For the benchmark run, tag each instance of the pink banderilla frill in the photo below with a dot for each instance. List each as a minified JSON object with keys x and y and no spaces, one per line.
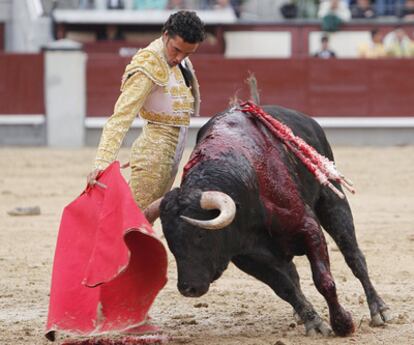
{"x":321,"y":167}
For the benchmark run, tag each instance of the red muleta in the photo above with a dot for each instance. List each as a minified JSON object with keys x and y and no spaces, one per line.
{"x":109,"y":264}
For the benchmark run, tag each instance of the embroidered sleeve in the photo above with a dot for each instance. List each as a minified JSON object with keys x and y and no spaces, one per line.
{"x":150,"y":64}
{"x":134,"y":93}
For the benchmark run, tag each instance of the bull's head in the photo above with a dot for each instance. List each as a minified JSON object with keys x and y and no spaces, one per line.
{"x":191,"y":224}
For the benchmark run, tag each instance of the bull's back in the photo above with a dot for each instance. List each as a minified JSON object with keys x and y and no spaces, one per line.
{"x":282,"y":180}
{"x":234,"y":124}
{"x":303,"y":126}
{"x":231,"y":131}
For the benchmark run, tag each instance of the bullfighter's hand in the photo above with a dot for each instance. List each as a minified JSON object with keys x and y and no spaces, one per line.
{"x":92,"y":176}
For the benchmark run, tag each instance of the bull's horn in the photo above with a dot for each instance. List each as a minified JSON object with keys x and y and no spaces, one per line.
{"x":215,"y":201}
{"x":152,"y":212}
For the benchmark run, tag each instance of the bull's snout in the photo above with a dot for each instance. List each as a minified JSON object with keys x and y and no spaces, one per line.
{"x":192,"y":290}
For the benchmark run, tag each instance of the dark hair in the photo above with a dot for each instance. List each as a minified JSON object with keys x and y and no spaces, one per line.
{"x":325,"y":38}
{"x":185,"y":24}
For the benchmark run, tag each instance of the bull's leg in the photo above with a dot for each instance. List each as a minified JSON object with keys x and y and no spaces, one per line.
{"x":317,"y":253}
{"x":285,"y":283}
{"x":336,"y":217}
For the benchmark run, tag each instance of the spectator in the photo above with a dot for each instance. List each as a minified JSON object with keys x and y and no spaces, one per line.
{"x":233,"y":5}
{"x":374,"y":49}
{"x":407,"y":11}
{"x":222,"y":4}
{"x":237,"y":7}
{"x":176,"y":5}
{"x":307,"y":8}
{"x":112,"y":33}
{"x":115,"y":4}
{"x":398,"y":44}
{"x":363,"y":9}
{"x":333,"y":14}
{"x":289,"y":10}
{"x":388,"y":7}
{"x":214,"y":4}
{"x":325,"y":52}
{"x":150,"y":4}
{"x":86,"y":4}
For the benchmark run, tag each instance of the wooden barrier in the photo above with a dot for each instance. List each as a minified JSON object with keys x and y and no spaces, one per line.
{"x":370,"y":98}
{"x":21,"y":84}
{"x":346,"y":87}
{"x":103,"y":80}
{"x":339,"y":88}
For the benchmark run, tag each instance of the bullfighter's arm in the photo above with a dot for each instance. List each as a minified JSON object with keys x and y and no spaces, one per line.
{"x":134,"y":93}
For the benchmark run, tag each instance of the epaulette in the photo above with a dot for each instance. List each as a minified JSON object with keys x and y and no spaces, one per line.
{"x":149,"y":63}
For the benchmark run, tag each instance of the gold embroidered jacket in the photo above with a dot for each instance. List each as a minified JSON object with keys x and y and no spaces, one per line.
{"x":155,"y":91}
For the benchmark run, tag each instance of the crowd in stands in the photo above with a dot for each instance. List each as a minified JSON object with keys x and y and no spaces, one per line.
{"x":148,"y":4}
{"x":367,"y":9}
{"x":332,"y":14}
{"x":342,"y":10}
{"x":363,"y":9}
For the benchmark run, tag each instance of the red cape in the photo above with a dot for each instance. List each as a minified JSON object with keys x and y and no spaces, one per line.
{"x":109,"y":265}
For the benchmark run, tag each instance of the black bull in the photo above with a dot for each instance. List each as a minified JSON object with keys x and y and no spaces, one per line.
{"x":280,"y":208}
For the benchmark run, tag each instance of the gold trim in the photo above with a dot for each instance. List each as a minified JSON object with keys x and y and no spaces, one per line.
{"x":149,"y":63}
{"x":168,"y":119}
{"x":183,"y":106}
{"x":179,"y":90}
{"x":178,"y":75}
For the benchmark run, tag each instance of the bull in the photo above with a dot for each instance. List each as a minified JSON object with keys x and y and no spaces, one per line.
{"x":245,"y":198}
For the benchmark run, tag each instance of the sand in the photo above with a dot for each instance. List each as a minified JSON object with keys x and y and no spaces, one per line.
{"x":238,"y":309}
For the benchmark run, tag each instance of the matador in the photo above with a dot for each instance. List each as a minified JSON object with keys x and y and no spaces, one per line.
{"x":160,"y":85}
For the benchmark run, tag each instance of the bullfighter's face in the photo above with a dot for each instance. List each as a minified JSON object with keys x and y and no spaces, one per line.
{"x":176,"y":49}
{"x":198,"y":252}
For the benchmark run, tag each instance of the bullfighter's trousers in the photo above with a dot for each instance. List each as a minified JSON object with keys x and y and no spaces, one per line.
{"x":154,"y":160}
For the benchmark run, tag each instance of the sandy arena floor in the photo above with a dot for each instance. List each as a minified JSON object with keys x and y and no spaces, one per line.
{"x":237,"y":309}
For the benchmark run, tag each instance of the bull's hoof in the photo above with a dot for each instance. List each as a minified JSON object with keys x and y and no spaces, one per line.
{"x":318,"y":327}
{"x":381,"y":318}
{"x":341,"y":323}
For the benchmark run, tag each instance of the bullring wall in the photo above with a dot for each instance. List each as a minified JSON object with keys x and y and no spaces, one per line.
{"x":351,"y":95}
{"x":321,"y":88}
